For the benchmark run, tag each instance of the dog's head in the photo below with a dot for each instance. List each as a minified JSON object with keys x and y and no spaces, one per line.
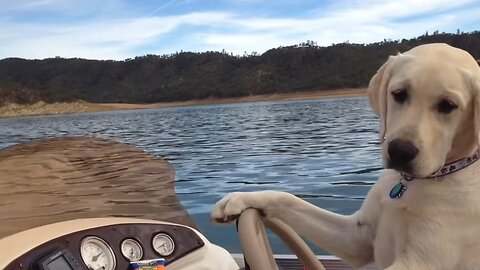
{"x":428,"y":100}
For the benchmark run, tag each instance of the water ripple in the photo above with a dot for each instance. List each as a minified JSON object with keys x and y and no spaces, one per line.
{"x":324,"y":151}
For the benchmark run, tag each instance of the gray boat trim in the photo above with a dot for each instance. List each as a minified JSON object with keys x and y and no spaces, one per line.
{"x":290,"y":261}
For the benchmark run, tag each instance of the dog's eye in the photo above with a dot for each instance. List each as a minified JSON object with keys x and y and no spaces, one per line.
{"x":446,"y":106}
{"x":400,"y":95}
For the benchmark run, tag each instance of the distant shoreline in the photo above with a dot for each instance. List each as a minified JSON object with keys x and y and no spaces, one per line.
{"x":41,"y":108}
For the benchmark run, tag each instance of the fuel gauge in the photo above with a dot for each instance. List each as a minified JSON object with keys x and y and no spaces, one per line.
{"x":163,"y":244}
{"x":132,"y":250}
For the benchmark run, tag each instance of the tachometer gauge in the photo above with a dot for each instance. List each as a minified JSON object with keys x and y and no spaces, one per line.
{"x":132,"y":250}
{"x":163,"y":244}
{"x":97,"y":254}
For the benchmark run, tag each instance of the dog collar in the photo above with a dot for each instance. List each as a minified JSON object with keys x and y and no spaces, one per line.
{"x":398,"y":190}
{"x":456,"y":165}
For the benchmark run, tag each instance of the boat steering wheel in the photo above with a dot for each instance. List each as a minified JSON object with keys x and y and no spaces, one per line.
{"x":255,"y":245}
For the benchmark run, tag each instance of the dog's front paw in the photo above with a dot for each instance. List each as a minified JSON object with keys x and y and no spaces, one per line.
{"x":231,"y":206}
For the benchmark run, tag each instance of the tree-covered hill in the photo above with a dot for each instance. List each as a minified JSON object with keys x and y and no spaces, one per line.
{"x":187,"y":75}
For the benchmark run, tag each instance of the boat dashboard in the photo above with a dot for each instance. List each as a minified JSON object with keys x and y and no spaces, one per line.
{"x":110,"y":244}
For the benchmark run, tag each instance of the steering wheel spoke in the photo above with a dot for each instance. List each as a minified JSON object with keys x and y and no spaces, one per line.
{"x":256,"y":247}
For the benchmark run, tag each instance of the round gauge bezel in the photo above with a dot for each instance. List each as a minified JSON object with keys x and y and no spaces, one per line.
{"x":169,"y":238}
{"x":102,"y":242}
{"x":135,"y":242}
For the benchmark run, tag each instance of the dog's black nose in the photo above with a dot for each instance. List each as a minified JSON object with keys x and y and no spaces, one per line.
{"x":401,"y":152}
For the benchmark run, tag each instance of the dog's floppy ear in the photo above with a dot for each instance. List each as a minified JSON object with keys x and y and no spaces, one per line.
{"x":377,"y":93}
{"x":473,"y":78}
{"x":476,"y":106}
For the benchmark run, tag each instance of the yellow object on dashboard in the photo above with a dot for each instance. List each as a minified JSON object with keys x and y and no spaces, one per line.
{"x":155,"y":264}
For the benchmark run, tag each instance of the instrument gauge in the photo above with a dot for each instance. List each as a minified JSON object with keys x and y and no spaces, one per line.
{"x":163,"y":244}
{"x":97,"y":254}
{"x":132,"y":250}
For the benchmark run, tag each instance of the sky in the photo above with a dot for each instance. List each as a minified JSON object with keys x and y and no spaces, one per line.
{"x":120,"y":29}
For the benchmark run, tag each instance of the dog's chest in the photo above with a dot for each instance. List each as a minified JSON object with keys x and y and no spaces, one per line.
{"x":442,"y":222}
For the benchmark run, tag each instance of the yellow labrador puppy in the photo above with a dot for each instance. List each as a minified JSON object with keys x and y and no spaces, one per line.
{"x":424,"y":210}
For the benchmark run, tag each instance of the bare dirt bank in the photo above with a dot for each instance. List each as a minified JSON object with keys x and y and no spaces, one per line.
{"x":41,"y":108}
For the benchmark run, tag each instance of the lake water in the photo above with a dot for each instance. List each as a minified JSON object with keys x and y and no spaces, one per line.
{"x":324,"y":151}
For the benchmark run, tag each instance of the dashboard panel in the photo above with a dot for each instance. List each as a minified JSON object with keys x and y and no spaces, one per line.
{"x":101,"y":247}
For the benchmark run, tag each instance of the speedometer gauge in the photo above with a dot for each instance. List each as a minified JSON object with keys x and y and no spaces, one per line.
{"x":131,"y":250}
{"x":97,"y":254}
{"x":163,"y":244}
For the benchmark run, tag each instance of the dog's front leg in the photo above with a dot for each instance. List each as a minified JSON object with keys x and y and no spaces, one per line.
{"x":409,"y":265}
{"x":343,"y":236}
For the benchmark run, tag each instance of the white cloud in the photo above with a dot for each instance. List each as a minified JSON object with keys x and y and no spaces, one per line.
{"x":42,"y":5}
{"x":36,"y":4}
{"x":391,"y":9}
{"x":106,"y":39}
{"x":369,"y":22}
{"x":362,"y":24}
{"x":360,"y":21}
